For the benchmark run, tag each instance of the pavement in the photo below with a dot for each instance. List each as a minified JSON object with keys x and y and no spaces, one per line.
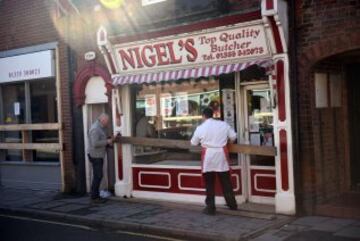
{"x":175,"y":220}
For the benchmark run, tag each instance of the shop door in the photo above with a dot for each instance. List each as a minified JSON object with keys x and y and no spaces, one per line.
{"x":258,"y":129}
{"x":91,"y":112}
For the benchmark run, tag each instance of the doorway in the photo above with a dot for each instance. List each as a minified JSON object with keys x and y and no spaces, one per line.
{"x":256,"y":128}
{"x":96,"y":102}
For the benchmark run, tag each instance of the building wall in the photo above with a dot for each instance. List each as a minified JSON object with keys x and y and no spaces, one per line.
{"x":25,"y":23}
{"x":322,"y":29}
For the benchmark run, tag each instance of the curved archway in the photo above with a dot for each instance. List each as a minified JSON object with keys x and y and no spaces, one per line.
{"x":90,"y":70}
{"x":328,"y":47}
{"x":325,"y":140}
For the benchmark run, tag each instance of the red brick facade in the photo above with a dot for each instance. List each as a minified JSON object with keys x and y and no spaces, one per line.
{"x":26,"y":23}
{"x":324,"y":28}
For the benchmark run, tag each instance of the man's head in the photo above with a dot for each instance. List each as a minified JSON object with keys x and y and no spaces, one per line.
{"x":207,"y":113}
{"x":104,"y":119}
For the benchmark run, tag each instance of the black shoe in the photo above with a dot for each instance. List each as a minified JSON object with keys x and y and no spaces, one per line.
{"x":209,"y":211}
{"x":233,"y":208}
{"x":98,"y":200}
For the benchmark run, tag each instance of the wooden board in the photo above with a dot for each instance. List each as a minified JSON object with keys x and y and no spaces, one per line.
{"x":180,"y":144}
{"x":31,"y":146}
{"x":22,"y":127}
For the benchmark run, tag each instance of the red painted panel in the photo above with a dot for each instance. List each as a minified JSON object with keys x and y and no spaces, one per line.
{"x":276,"y":34}
{"x":280,"y":84}
{"x":224,"y":21}
{"x":284,"y":161}
{"x":269,"y":4}
{"x":190,"y":181}
{"x":120,"y":162}
{"x":156,"y":179}
{"x":268,"y":183}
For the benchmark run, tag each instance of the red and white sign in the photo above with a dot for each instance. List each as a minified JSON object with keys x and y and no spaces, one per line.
{"x":27,"y":66}
{"x":226,"y":45}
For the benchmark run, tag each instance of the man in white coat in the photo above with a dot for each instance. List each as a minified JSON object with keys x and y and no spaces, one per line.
{"x":213,"y":135}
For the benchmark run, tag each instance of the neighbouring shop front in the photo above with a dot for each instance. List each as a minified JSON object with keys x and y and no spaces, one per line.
{"x":30,"y":152}
{"x":238,"y":66}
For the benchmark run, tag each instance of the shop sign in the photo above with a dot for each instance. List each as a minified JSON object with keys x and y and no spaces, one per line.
{"x":27,"y":66}
{"x":227,"y":45}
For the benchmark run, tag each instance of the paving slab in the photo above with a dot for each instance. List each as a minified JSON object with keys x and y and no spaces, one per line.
{"x":311,"y":221}
{"x":180,"y":221}
{"x":349,"y":232}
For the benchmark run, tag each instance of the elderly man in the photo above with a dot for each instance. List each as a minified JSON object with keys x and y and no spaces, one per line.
{"x":98,"y":143}
{"x":213,"y":135}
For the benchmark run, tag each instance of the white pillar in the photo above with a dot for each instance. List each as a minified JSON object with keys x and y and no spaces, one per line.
{"x":123,"y":187}
{"x":285,"y":197}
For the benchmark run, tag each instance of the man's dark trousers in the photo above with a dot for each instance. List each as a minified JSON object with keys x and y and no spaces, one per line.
{"x":97,"y":165}
{"x":226,"y":185}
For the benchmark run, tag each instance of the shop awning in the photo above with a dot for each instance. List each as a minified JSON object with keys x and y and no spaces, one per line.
{"x":192,"y":73}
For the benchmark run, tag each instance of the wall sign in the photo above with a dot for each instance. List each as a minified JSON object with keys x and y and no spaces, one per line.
{"x":91,"y":55}
{"x":182,"y":104}
{"x":229,"y":105}
{"x":27,"y":66}
{"x":226,"y":45}
{"x":150,"y":105}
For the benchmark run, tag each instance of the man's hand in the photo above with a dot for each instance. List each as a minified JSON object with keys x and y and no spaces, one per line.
{"x":110,"y":141}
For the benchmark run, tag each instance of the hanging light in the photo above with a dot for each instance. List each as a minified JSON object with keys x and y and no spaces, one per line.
{"x":112,"y":4}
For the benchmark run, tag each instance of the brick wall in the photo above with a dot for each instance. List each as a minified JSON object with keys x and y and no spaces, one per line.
{"x":24,"y":23}
{"x":323,"y":28}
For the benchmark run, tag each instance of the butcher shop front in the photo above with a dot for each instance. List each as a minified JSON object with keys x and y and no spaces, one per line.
{"x":236,"y":65}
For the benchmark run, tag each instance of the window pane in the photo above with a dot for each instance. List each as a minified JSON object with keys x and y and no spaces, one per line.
{"x":14,"y":103}
{"x":43,"y":101}
{"x":260,"y":119}
{"x":13,"y":113}
{"x":45,"y":137}
{"x":11,"y":137}
{"x":172,"y":111}
{"x":44,"y":110}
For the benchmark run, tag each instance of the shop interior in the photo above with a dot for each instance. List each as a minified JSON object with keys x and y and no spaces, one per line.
{"x":172,"y":110}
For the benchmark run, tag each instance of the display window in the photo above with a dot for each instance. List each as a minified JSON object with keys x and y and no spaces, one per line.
{"x":260,"y":123}
{"x":29,"y":102}
{"x":173,"y":111}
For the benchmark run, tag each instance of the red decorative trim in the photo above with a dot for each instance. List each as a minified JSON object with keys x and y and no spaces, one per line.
{"x":266,"y":182}
{"x":284,"y":160}
{"x":280,"y":83}
{"x":227,"y":20}
{"x":269,"y":4}
{"x":82,"y":77}
{"x":191,"y":181}
{"x":120,"y":162}
{"x":110,"y":59}
{"x":276,"y":34}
